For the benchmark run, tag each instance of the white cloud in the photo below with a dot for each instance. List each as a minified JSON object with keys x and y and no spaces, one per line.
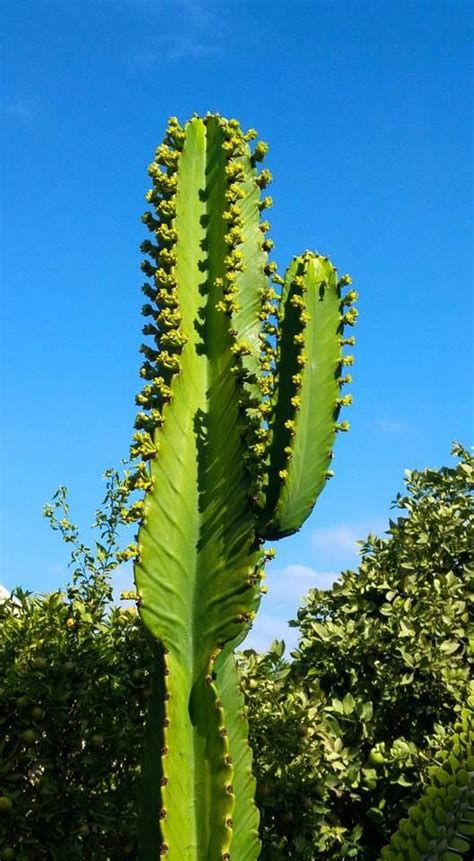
{"x":174,"y":46}
{"x":286,"y":588}
{"x":18,"y":109}
{"x":392,"y":426}
{"x":334,"y":543}
{"x":267,"y":628}
{"x":288,"y":585}
{"x":197,"y":12}
{"x":189,"y":30}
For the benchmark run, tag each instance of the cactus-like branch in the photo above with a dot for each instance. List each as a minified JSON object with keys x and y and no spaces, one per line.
{"x":221,"y":467}
{"x":308,"y":397}
{"x":441,"y":825}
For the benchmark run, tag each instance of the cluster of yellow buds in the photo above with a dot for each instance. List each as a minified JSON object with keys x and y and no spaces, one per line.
{"x":167,"y":235}
{"x":134,"y":512}
{"x":257,"y":573}
{"x":264,"y":178}
{"x":265,"y":203}
{"x":143,"y":446}
{"x":347,"y":360}
{"x":129,"y":552}
{"x":129,"y":594}
{"x":166,"y":156}
{"x":139,"y":478}
{"x":350,"y":297}
{"x":260,"y":151}
{"x":246,"y":616}
{"x":350,"y":317}
{"x":175,"y":134}
{"x":241,"y":348}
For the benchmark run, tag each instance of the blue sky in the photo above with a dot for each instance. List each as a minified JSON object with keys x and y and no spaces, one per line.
{"x":366,"y":108}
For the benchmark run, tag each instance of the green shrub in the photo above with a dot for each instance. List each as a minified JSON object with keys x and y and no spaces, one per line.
{"x":74,"y":678}
{"x":74,"y":687}
{"x":379,"y":676}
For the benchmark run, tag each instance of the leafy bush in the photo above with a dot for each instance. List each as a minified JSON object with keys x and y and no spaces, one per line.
{"x":342,"y":735}
{"x":74,"y":678}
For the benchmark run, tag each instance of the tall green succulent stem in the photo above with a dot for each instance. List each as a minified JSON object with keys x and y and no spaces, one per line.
{"x":234,"y":435}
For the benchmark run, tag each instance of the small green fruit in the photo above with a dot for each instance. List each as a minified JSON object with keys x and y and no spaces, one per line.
{"x":37,"y":713}
{"x":83,"y":829}
{"x":6,"y":804}
{"x":39,"y":663}
{"x":376,"y":757}
{"x":97,"y":740}
{"x":22,"y":702}
{"x":303,"y":730}
{"x":29,"y":736}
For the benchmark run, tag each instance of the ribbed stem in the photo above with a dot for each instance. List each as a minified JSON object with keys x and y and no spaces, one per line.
{"x":197,"y":540}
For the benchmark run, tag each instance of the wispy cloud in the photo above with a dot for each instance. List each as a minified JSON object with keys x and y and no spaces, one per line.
{"x":288,"y":585}
{"x":339,"y":543}
{"x":19,"y":109}
{"x":266,"y":629}
{"x":190,"y":29}
{"x":173,"y":46}
{"x":198,"y":11}
{"x":392,"y":426}
{"x":286,"y":589}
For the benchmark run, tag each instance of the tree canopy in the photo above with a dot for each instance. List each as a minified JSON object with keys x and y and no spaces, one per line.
{"x":344,"y":733}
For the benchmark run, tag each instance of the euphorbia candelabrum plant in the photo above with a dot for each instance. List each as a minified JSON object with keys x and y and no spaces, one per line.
{"x":238,"y":416}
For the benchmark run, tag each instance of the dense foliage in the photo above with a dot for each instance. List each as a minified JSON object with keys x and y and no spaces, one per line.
{"x":74,"y":686}
{"x":343,"y":734}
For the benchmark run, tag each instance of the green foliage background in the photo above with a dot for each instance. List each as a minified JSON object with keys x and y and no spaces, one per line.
{"x":343,"y":734}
